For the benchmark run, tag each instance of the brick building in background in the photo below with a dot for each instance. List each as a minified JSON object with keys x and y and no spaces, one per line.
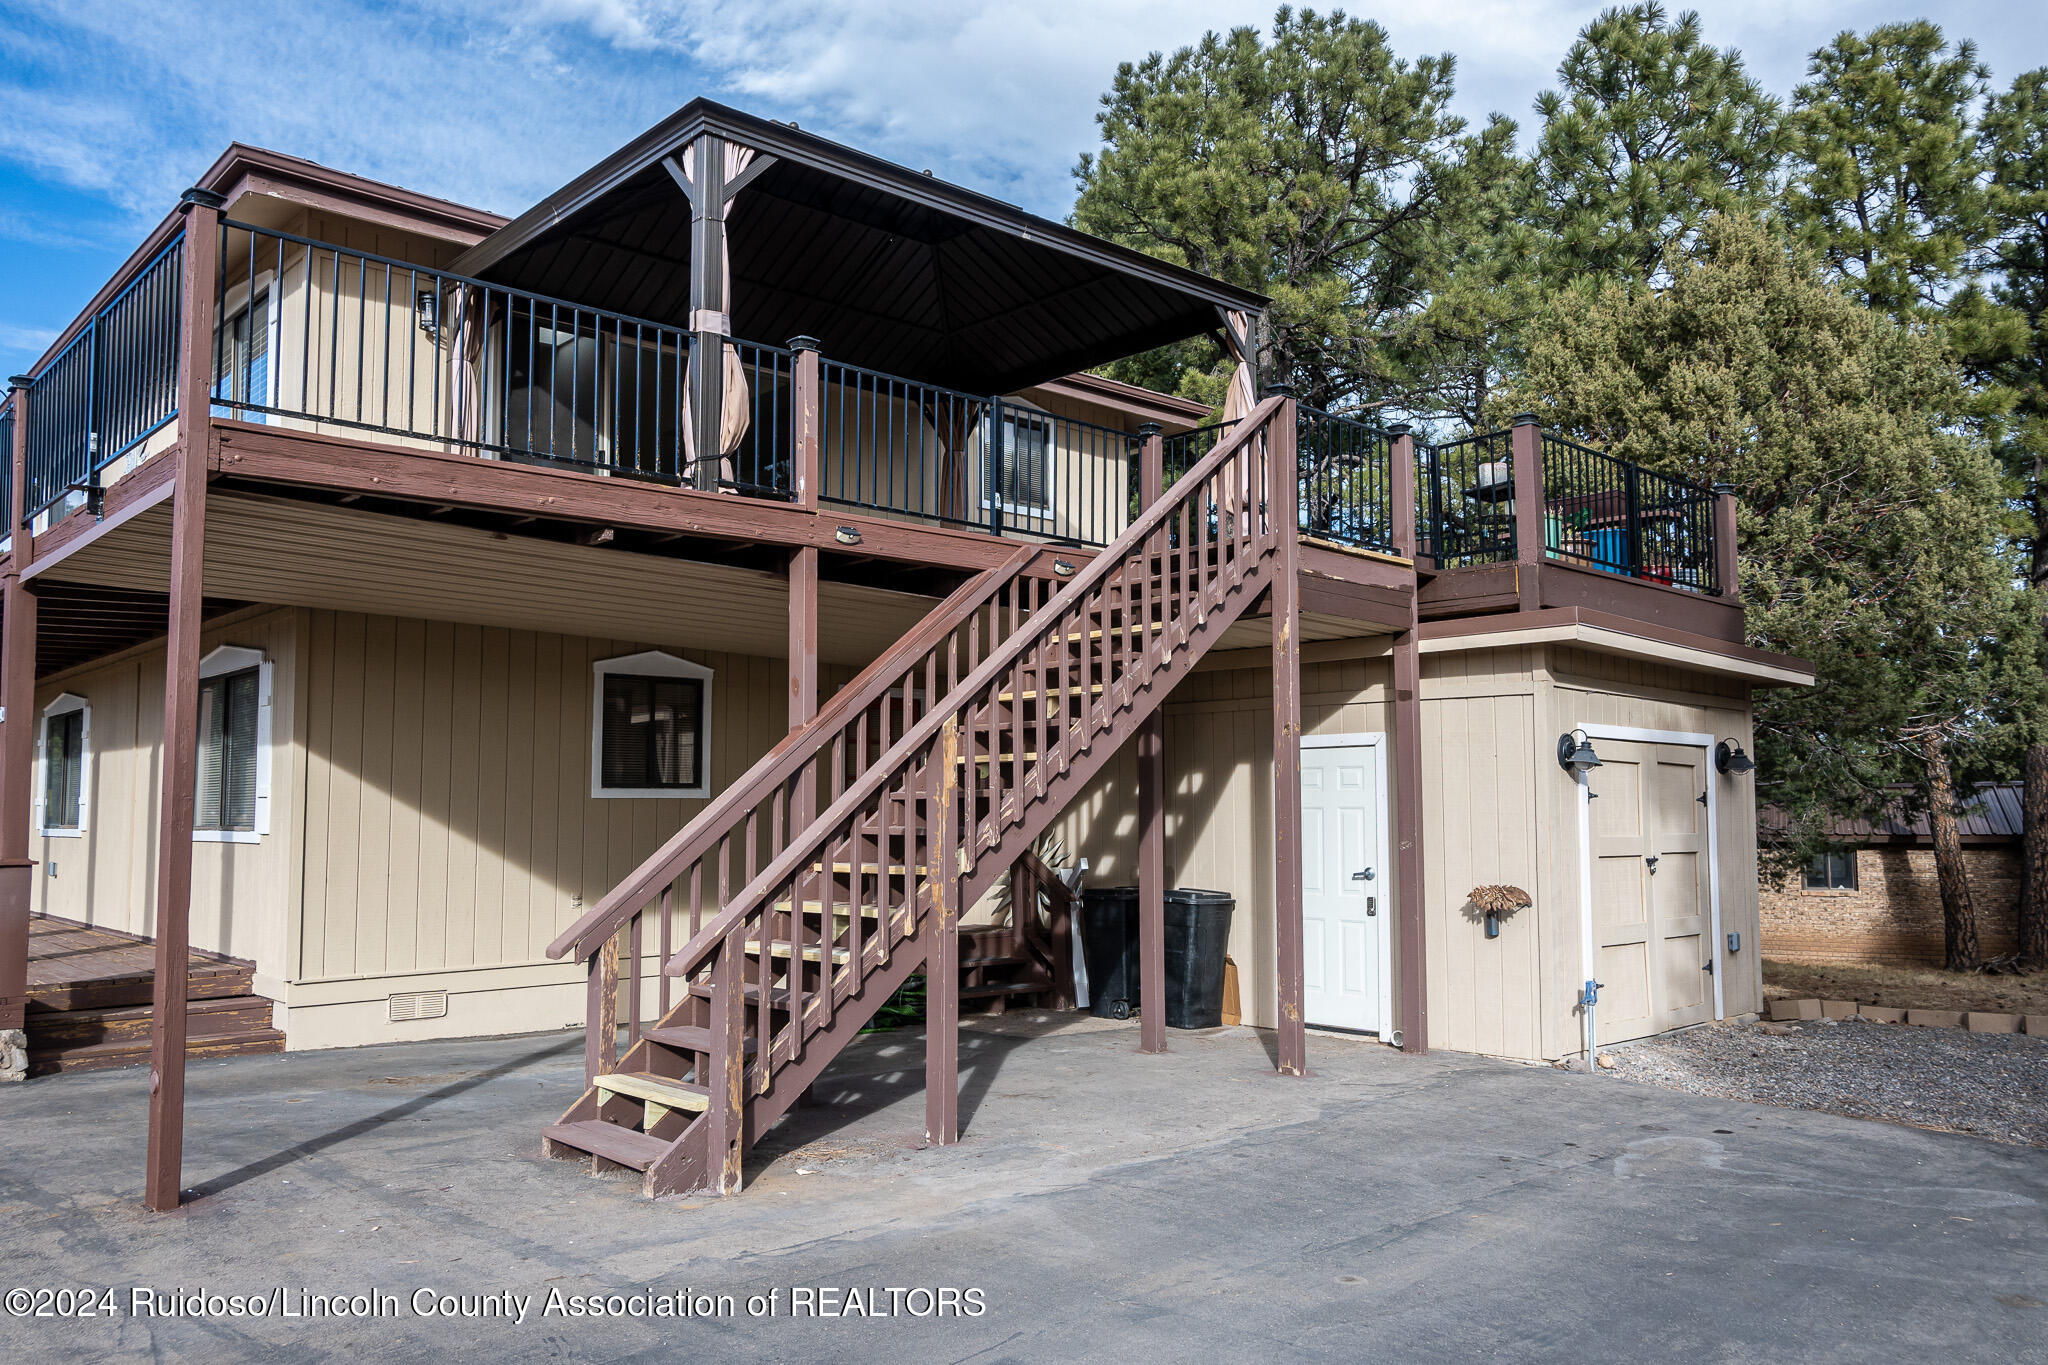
{"x":1877,"y":901}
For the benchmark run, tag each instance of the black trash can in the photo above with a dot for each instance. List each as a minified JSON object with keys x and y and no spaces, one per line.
{"x":1109,"y":948}
{"x":1197,"y":940}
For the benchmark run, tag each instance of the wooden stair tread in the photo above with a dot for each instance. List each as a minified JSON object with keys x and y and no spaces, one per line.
{"x":609,"y":1141}
{"x":43,"y":1061}
{"x":663,"y":1090}
{"x":1007,"y":960}
{"x":781,"y":947}
{"x":687,"y":1038}
{"x":839,"y":909}
{"x":1007,"y":988}
{"x":873,"y":869}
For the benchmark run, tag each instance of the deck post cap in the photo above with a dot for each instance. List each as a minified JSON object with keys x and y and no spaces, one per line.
{"x":19,"y":381}
{"x":1525,"y":419}
{"x":202,"y":198}
{"x":1399,"y":429}
{"x":806,"y":344}
{"x":1149,"y":429}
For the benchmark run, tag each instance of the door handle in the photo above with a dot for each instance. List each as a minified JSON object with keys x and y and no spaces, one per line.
{"x":1651,"y":862}
{"x":1364,"y":876}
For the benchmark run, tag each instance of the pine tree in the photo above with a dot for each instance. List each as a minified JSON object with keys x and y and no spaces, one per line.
{"x":2014,"y":356}
{"x":1325,"y":170}
{"x":1650,"y":131}
{"x":1868,"y":519}
{"x":1886,"y":182}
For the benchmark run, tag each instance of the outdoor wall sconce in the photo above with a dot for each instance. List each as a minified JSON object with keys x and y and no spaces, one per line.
{"x":846,"y":535}
{"x":1729,"y":759}
{"x":1575,"y":753}
{"x":426,"y":304}
{"x":1063,"y":568}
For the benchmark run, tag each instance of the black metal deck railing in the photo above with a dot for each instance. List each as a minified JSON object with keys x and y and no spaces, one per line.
{"x":976,"y":461}
{"x":6,"y":466}
{"x":1346,"y":470}
{"x":1465,"y":501}
{"x":1616,"y":516}
{"x":113,"y":385}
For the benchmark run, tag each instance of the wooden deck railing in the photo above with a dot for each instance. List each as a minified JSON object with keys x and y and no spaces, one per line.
{"x":751,"y":821}
{"x":960,"y":780}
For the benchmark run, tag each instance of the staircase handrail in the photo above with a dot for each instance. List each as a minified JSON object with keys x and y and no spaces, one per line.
{"x":796,"y":749}
{"x":1005,"y":656}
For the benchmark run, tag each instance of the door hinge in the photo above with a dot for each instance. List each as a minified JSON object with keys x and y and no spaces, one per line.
{"x":1701,"y":798}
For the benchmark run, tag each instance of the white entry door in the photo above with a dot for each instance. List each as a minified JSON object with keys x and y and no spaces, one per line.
{"x":1346,"y":890}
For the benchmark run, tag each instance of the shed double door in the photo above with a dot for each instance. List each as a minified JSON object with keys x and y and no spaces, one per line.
{"x":1652,"y":917}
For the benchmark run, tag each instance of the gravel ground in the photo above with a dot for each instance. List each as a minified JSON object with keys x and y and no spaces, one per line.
{"x":1988,"y":1084}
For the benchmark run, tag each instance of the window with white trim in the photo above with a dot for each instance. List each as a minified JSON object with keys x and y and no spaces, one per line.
{"x":64,"y":768}
{"x":232,"y":803}
{"x":650,"y":727}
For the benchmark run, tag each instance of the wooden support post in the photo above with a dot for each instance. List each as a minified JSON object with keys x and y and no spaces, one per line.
{"x":1284,"y":499}
{"x":942,"y":954}
{"x":607,"y":971}
{"x":726,"y":1114}
{"x":1412,"y":981}
{"x":803,"y":637}
{"x":1401,"y":489}
{"x":807,"y":401}
{"x":1408,"y":922}
{"x":1151,"y":465}
{"x":181,"y":707}
{"x":710,"y":322}
{"x":1525,"y":447}
{"x":17,"y":753}
{"x":1725,"y":570}
{"x":1152,"y":883}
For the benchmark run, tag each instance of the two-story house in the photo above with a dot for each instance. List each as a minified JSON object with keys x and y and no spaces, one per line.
{"x":668,"y":613}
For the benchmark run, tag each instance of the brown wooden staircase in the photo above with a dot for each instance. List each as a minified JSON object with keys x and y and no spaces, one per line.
{"x":839,"y":865}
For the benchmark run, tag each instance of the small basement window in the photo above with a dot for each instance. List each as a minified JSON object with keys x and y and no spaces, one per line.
{"x":233,"y":798}
{"x":1832,"y":872}
{"x":64,"y":757}
{"x":651,"y":734}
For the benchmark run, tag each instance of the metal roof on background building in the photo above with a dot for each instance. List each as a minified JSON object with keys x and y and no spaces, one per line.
{"x":1993,"y":813}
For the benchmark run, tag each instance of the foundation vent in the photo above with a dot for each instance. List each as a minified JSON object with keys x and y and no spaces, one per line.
{"x":408,"y":1005}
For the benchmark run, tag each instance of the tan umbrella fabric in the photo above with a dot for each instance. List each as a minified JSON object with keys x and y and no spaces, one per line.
{"x":465,"y":367}
{"x":1238,"y":398}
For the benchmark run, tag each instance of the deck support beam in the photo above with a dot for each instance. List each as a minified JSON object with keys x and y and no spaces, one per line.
{"x":17,"y":756}
{"x":942,"y":953}
{"x":1284,"y":500}
{"x":1412,"y":977}
{"x":1152,"y":883}
{"x":181,"y":712}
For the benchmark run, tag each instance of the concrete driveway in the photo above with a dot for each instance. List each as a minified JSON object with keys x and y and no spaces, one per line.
{"x":1104,"y":1204}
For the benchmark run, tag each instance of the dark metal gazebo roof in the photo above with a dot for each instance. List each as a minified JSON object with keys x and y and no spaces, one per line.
{"x":889,"y":268}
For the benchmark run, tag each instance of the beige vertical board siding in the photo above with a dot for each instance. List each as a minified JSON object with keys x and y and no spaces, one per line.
{"x":1480,"y":827}
{"x":108,"y":876}
{"x":491,"y":830}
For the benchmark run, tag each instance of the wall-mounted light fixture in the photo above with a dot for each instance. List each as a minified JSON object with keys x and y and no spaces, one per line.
{"x":846,"y":535}
{"x":1575,"y":753}
{"x":1064,"y":568}
{"x":1729,"y":759}
{"x":426,"y":306}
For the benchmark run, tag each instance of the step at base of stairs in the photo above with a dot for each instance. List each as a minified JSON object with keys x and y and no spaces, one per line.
{"x":100,"y":1056}
{"x":686,"y":1038}
{"x":608,"y":1140}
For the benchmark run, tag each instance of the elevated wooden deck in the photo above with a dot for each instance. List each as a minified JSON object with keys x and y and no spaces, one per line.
{"x":90,"y":993}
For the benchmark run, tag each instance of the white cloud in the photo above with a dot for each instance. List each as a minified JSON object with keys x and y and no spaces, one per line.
{"x":495,"y":102}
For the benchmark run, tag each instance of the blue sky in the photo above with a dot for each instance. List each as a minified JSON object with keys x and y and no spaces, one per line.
{"x":109,"y":107}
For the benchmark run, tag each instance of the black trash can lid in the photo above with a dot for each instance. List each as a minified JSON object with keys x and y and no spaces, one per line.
{"x":1109,"y":893}
{"x":1188,"y":895}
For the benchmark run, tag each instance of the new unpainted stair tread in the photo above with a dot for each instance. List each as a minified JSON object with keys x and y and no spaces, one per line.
{"x":609,"y":1141}
{"x":662,"y":1090}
